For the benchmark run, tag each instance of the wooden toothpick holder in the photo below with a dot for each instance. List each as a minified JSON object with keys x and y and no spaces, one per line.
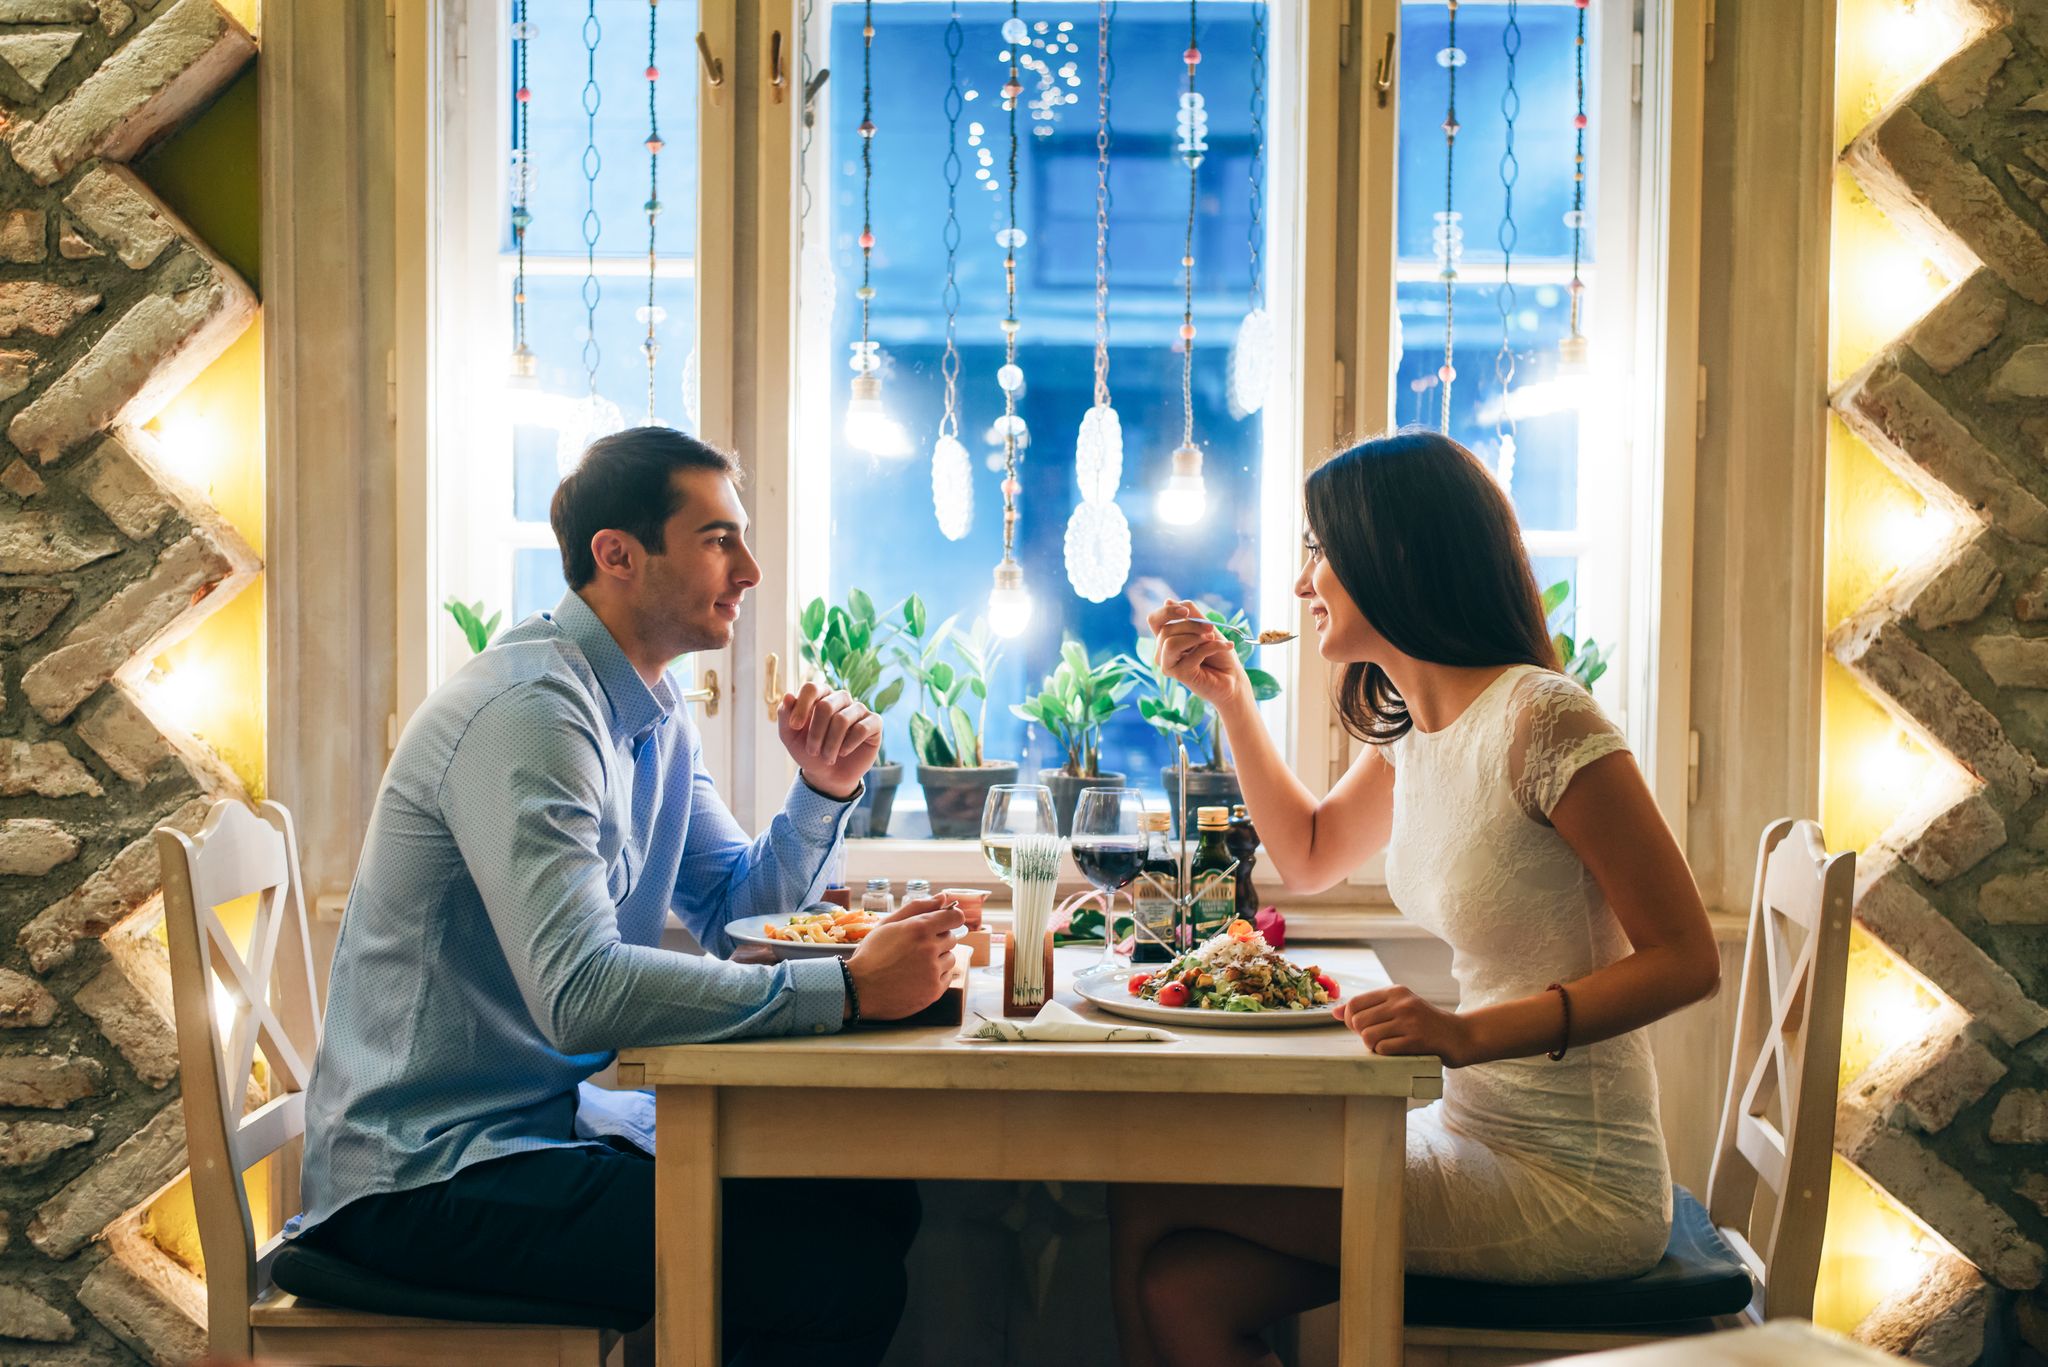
{"x":1011,"y":1006}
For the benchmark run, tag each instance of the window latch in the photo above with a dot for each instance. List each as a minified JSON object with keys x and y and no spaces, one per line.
{"x":776,"y":80}
{"x":1383,"y":74}
{"x":771,"y":689}
{"x":714,"y":70}
{"x":708,"y":694}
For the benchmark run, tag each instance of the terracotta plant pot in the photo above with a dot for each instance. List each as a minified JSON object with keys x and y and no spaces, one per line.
{"x":1067,"y":790}
{"x":955,"y":797}
{"x":877,"y":803}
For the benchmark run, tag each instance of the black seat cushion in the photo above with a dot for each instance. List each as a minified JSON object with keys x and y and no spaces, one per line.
{"x":1698,"y":1277}
{"x":312,"y":1275}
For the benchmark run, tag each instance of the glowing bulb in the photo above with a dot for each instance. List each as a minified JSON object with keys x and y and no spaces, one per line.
{"x":187,"y":692}
{"x":1572,"y":356}
{"x":1184,"y":499}
{"x":1911,"y":536}
{"x":869,"y":427}
{"x":1009,"y":604}
{"x":1893,"y":767}
{"x":191,"y":446}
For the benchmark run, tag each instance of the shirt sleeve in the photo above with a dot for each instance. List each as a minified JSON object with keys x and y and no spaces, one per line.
{"x":726,"y":877}
{"x":522,"y":797}
{"x":1557,"y":730}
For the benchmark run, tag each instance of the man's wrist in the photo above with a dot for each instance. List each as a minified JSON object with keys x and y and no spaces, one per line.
{"x":852,"y":1015}
{"x":826,"y":793}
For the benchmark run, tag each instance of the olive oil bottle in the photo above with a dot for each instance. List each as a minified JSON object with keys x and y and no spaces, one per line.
{"x":1213,"y":875}
{"x":1157,"y":894}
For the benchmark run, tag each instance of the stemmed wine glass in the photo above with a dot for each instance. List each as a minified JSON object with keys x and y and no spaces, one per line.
{"x":1109,"y":848}
{"x":1013,"y":809}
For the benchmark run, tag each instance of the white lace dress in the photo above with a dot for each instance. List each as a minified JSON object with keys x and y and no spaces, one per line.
{"x":1527,"y":1170}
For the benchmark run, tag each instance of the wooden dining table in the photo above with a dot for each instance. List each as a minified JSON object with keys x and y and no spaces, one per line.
{"x":919,"y":1102}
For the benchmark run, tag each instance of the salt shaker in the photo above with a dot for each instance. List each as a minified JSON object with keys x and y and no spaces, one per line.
{"x":877,"y":898}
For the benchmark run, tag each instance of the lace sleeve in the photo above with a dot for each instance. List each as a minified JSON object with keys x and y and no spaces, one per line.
{"x":1557,"y":730}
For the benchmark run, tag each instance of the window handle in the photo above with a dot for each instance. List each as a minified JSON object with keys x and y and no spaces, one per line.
{"x":771,"y":691}
{"x":714,"y":70}
{"x":708,"y":694}
{"x":1382,"y":75}
{"x":776,"y":80}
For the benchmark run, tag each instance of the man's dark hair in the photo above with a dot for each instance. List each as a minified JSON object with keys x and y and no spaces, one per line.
{"x":624,"y":483}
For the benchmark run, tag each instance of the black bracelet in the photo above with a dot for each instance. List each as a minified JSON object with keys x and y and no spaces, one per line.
{"x":1564,"y":1041}
{"x":852,"y":992}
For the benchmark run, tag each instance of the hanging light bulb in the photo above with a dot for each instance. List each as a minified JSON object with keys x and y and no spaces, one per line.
{"x":869,"y":427}
{"x":952,"y":487}
{"x":1184,"y":499}
{"x":1251,"y":353}
{"x":952,"y":471}
{"x":1009,"y":603}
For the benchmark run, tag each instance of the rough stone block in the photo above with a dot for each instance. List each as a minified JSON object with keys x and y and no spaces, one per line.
{"x":1963,"y":83}
{"x":120,"y":485}
{"x":1914,"y":173}
{"x":24,"y":1002}
{"x":72,"y":245}
{"x":45,"y":11}
{"x":46,"y":769}
{"x":31,"y":1143}
{"x":2034,"y":1186}
{"x":138,"y":94}
{"x":145,"y":616}
{"x":2013,"y":661}
{"x":1939,"y":1318}
{"x":26,"y":612}
{"x":1960,"y":326}
{"x":2015,"y":899}
{"x":124,"y":213}
{"x":2024,"y":374}
{"x":33,"y":56}
{"x":1891,"y":411}
{"x":136,"y":1300}
{"x":17,"y":368}
{"x":2021,"y":1118}
{"x":48,"y":1082}
{"x":132,"y":1023}
{"x":104,"y":900}
{"x":140,"y":1167}
{"x":1957,"y":592}
{"x":2030,"y":604}
{"x":22,"y":235}
{"x":21,"y":480}
{"x":28,"y":1316}
{"x":1940,"y":1196}
{"x":1928,"y":1082}
{"x":1957,"y":840}
{"x":150,"y":353}
{"x":1910,"y":926}
{"x":43,"y":307}
{"x":121,"y":735}
{"x":37,"y":542}
{"x":30,"y":847}
{"x":1874,"y":647}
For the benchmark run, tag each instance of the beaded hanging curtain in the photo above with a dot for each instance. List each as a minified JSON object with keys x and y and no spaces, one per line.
{"x":1510,"y":172}
{"x":952,"y":472}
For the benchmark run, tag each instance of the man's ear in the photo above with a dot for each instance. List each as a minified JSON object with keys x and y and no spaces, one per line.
{"x":616,"y":553}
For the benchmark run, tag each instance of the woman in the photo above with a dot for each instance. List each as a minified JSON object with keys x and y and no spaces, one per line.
{"x":1518,"y":829}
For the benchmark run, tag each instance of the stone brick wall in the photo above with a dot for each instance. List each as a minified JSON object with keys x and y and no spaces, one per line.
{"x":108,"y":306}
{"x":1952,"y":1125}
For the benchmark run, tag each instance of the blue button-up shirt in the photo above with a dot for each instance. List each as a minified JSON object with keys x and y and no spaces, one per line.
{"x":543,"y":814}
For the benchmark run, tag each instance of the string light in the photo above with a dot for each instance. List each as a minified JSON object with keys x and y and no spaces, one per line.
{"x":583,"y":420}
{"x":869,"y":427}
{"x":652,"y":314}
{"x":1098,"y":541}
{"x":1450,"y":235}
{"x":1510,"y":172}
{"x":1251,"y":355}
{"x":1009,"y":603}
{"x":523,"y":368}
{"x":1184,"y":500}
{"x":952,"y":473}
{"x":1571,"y":352}
{"x":819,"y":285}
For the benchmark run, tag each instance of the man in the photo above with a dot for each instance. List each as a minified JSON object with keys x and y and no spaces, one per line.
{"x":545,"y":810}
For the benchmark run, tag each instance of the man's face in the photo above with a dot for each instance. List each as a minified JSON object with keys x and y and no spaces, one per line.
{"x":689,"y":597}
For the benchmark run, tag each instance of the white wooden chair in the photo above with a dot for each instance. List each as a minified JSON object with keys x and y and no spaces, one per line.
{"x":1767,"y":1193}
{"x":272,"y":1001}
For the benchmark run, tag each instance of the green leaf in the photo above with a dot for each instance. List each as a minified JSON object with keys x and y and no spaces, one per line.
{"x":952,"y":694}
{"x":1554,"y":596}
{"x":930,"y":743}
{"x":1565,"y":648}
{"x":1075,"y":656}
{"x":889,"y":696}
{"x":1264,"y":686}
{"x":980,"y":688}
{"x":1025,"y":711}
{"x":861,"y":606}
{"x":914,"y":616}
{"x":964,"y":737}
{"x":939,"y":677}
{"x":813,"y":620}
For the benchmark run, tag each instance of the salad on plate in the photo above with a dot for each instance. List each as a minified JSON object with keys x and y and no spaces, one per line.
{"x":1236,"y":971}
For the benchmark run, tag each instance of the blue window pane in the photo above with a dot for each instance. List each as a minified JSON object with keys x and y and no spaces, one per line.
{"x":535,"y":472}
{"x":537,"y":582}
{"x":557,"y":67}
{"x":884,"y":538}
{"x":1545,"y":80}
{"x":1559,"y":569}
{"x":1543,"y":471}
{"x":556,"y":326}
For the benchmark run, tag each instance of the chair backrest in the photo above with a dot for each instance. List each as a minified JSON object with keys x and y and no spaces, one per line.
{"x":268,"y":998}
{"x":1768,"y":1192}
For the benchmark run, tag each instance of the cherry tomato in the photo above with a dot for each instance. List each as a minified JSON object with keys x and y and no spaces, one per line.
{"x":1328,"y":984}
{"x":1239,"y":929}
{"x":1137,"y":982}
{"x":1173,"y":994}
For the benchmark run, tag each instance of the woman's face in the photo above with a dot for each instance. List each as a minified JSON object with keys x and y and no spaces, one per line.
{"x":1343,"y":636}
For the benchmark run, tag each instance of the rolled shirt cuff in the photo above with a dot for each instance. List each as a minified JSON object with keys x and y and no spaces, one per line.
{"x":819,"y":988}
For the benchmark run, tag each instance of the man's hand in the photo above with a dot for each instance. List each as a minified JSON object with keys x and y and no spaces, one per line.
{"x":904,"y":963}
{"x":832,"y":738}
{"x":1394,"y":1020}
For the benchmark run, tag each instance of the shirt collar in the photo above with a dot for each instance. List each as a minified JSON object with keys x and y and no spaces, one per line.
{"x":636,"y":708}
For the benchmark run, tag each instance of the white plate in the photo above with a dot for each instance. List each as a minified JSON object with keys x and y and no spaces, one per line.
{"x":752,"y":930}
{"x":1106,"y":987}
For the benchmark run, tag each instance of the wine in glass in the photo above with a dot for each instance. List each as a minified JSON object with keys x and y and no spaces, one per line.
{"x":1109,"y":847}
{"x":1013,"y":809}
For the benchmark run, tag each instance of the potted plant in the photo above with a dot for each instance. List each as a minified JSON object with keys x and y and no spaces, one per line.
{"x":951,"y":768}
{"x":845,"y":645}
{"x":1584,"y":661}
{"x":475,"y":629}
{"x":1177,"y":714}
{"x":1076,"y":701}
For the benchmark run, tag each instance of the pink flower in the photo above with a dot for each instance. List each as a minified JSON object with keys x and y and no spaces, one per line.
{"x":1272,"y":925}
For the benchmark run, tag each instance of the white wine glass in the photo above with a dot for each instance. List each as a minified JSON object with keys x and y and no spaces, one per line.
{"x":1013,"y":809}
{"x":1109,"y":849}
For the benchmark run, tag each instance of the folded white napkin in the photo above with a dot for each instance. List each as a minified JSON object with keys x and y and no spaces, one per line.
{"x":1055,"y":1022}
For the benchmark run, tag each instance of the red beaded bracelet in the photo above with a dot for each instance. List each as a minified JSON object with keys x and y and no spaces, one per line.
{"x":1564,"y":1040}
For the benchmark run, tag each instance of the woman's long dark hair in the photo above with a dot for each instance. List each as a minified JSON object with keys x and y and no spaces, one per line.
{"x":1425,"y":542}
